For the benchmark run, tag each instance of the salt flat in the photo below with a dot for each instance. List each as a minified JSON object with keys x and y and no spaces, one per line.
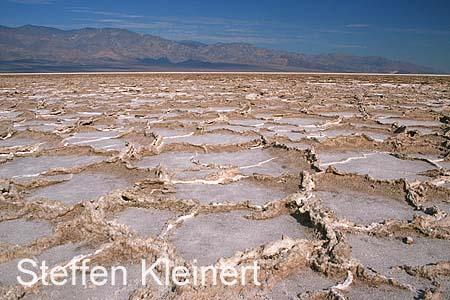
{"x":322,"y":179}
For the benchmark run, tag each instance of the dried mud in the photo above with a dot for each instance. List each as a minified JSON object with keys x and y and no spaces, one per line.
{"x":338,"y":186}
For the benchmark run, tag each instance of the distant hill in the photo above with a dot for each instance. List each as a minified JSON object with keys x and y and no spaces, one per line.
{"x":43,"y":49}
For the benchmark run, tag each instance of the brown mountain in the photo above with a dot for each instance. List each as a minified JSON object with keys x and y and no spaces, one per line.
{"x":37,"y":48}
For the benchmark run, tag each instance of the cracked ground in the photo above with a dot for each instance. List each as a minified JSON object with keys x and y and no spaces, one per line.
{"x":338,"y":186}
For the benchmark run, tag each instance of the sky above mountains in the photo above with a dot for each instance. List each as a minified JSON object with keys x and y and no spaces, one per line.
{"x":415,"y":31}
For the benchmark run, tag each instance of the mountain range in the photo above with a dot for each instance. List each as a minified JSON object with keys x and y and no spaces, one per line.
{"x":31,"y":48}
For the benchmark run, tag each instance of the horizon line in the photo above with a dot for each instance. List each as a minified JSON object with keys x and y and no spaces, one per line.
{"x":223,"y":72}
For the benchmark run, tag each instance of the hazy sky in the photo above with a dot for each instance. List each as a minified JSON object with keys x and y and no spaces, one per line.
{"x":415,"y":31}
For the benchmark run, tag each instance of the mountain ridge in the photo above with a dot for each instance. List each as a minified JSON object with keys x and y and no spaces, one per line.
{"x":39,"y":48}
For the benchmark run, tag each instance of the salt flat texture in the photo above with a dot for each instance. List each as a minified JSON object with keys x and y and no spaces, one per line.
{"x":336,"y":184}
